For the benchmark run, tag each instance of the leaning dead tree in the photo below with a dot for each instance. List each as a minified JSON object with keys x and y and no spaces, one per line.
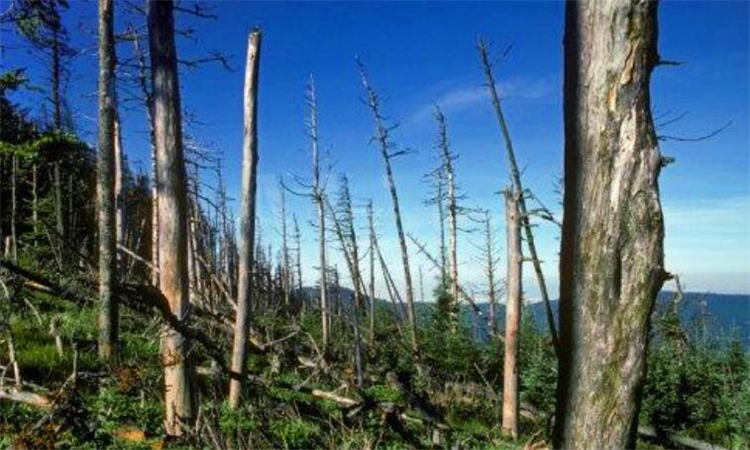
{"x":173,"y":239}
{"x":106,"y":185}
{"x":382,"y":136}
{"x":515,"y":176}
{"x":247,"y":219}
{"x":612,"y":255}
{"x":512,"y":314}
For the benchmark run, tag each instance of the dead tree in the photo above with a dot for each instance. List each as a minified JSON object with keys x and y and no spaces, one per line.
{"x":119,"y":186}
{"x":382,"y":136}
{"x":148,"y":100}
{"x":448,"y":174}
{"x":286,"y":269}
{"x":612,"y":255}
{"x":489,"y":260}
{"x":247,"y":219}
{"x":106,"y":185}
{"x":515,"y":176}
{"x":512,"y":314}
{"x":345,"y":231}
{"x":173,"y":239}
{"x":297,"y":237}
{"x":371,"y":251}
{"x":318,"y":195}
{"x":437,"y":183}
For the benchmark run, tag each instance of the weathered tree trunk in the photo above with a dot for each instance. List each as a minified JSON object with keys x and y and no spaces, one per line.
{"x":371,"y":226}
{"x":512,"y":315}
{"x":247,"y":219}
{"x":106,"y":184}
{"x":515,"y":175}
{"x":119,"y":187}
{"x":173,"y":234}
{"x":386,"y":150}
{"x":612,"y":257}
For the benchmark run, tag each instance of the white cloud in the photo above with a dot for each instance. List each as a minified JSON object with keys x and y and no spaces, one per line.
{"x":463,"y":98}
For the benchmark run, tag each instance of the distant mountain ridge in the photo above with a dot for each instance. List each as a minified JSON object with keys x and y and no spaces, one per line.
{"x":726,"y":315}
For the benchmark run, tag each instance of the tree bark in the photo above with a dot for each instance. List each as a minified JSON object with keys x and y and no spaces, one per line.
{"x":247,"y":220}
{"x":512,"y":315}
{"x":173,"y":234}
{"x":119,"y":186}
{"x":106,"y":185}
{"x":612,"y":257}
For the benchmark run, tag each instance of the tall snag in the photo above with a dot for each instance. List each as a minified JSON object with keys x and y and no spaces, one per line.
{"x":512,"y":314}
{"x":382,"y":136}
{"x":173,"y":234}
{"x":247,"y":219}
{"x":612,"y":256}
{"x":318,"y":196}
{"x":106,"y":185}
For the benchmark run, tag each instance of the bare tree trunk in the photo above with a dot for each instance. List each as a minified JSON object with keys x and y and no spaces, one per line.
{"x":512,"y":315}
{"x":57,"y":111}
{"x":518,"y":186}
{"x":247,"y":220}
{"x":286,"y":271}
{"x":105,"y":186}
{"x":371,"y":225}
{"x":386,"y":150}
{"x":612,"y":256}
{"x":173,"y":235}
{"x":14,"y":206}
{"x":34,"y":199}
{"x":319,"y":198}
{"x":119,"y":187}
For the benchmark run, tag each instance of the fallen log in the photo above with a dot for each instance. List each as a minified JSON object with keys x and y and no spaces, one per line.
{"x":26,"y":397}
{"x":649,"y":431}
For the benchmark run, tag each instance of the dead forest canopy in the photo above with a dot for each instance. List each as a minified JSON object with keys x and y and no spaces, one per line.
{"x":146,"y":309}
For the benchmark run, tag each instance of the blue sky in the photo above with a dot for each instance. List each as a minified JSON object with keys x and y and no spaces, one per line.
{"x":418,"y":54}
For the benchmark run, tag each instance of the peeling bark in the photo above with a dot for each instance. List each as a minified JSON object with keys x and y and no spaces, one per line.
{"x":173,"y":234}
{"x":512,"y":315}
